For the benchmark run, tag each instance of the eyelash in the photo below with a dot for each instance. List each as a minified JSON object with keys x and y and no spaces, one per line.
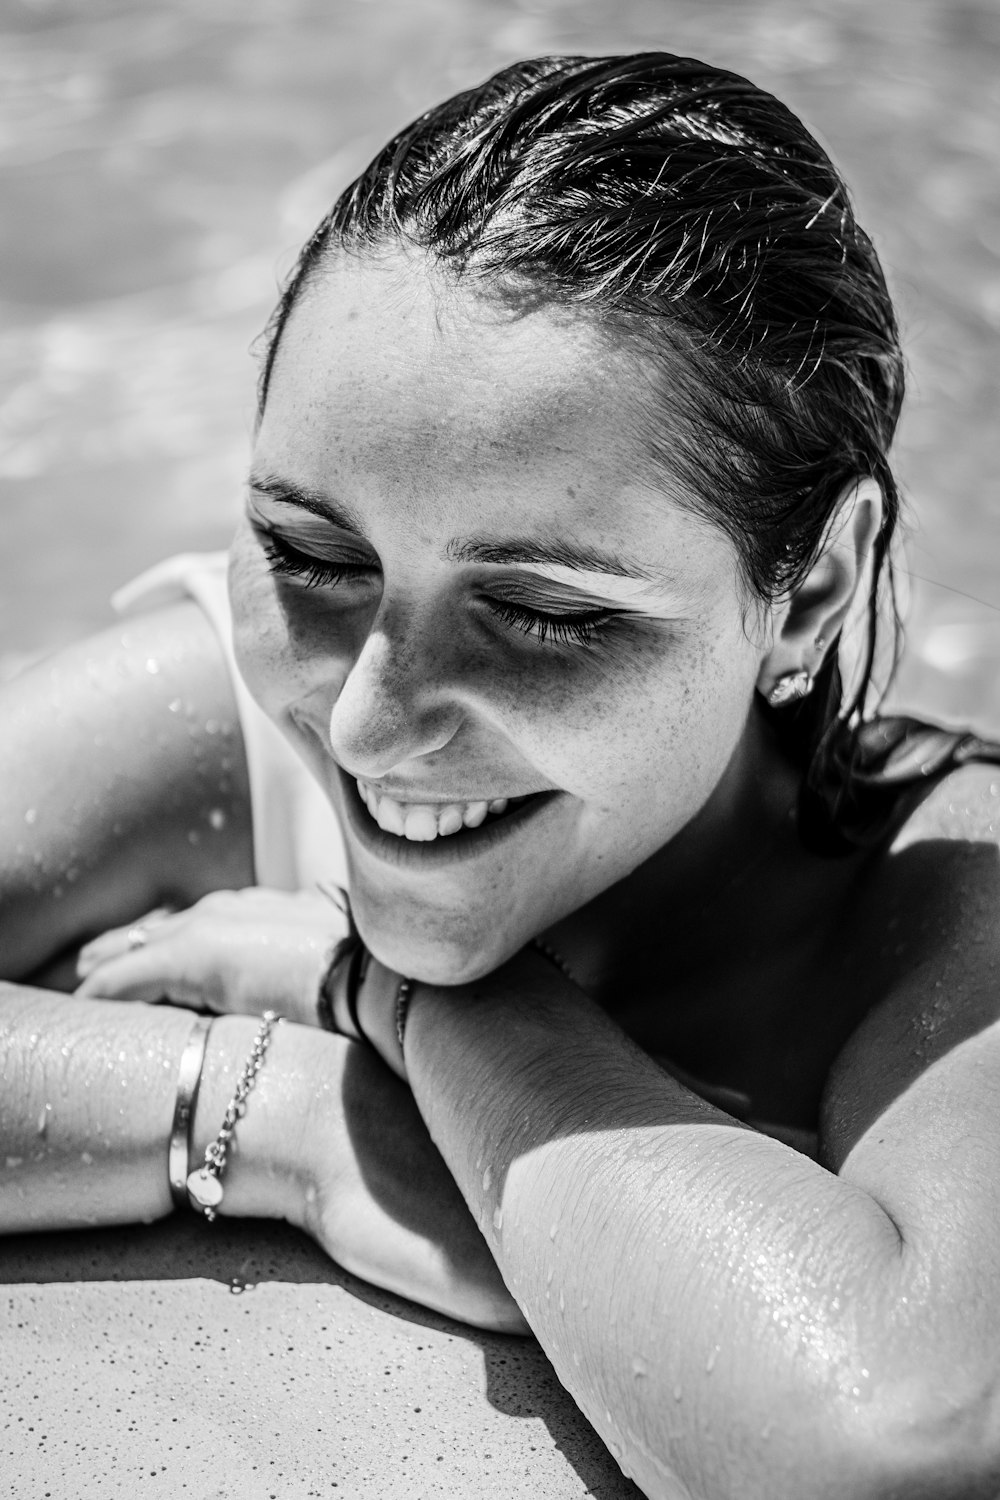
{"x":561,"y":630}
{"x":289,"y":562}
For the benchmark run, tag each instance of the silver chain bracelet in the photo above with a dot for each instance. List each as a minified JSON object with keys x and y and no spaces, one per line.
{"x":204,"y":1184}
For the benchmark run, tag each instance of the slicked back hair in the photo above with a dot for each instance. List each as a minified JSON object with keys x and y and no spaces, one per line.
{"x":695,"y":216}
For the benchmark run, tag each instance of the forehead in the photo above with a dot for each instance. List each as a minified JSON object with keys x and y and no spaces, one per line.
{"x":390,"y":338}
{"x":396,"y":384}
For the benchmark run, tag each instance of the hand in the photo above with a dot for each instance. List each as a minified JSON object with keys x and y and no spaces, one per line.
{"x":377,"y":1196}
{"x":233,"y":952}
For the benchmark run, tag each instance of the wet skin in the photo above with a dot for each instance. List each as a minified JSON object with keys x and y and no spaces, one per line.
{"x":419,"y":444}
{"x":424,"y":421}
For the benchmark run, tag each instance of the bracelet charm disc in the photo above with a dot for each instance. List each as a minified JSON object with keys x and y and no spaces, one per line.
{"x":205,"y":1190}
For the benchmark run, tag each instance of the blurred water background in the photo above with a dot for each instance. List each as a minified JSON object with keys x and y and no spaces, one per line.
{"x":160,"y":161}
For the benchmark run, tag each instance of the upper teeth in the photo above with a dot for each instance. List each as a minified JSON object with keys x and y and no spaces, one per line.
{"x":423,"y":821}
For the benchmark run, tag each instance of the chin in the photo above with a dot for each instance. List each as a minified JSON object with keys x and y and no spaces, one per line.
{"x":434,"y":959}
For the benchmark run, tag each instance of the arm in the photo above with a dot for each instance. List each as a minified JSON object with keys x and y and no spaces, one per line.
{"x":330,"y":1141}
{"x":123,"y":787}
{"x":107,"y":769}
{"x":733,"y":1318}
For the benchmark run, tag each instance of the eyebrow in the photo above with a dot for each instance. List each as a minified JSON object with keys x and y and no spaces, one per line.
{"x":306,"y":498}
{"x":506,"y":552}
{"x":557,"y":554}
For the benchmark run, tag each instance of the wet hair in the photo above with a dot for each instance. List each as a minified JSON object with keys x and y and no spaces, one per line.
{"x":694,"y":216}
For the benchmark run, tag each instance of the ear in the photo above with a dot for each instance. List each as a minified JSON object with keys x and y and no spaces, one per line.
{"x":810,"y":618}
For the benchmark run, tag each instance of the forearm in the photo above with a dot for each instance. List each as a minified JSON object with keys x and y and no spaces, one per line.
{"x":330,"y":1140}
{"x":731,"y":1317}
{"x":88,"y":1103}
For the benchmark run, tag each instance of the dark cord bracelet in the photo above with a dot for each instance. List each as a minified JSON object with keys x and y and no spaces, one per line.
{"x":344,"y":976}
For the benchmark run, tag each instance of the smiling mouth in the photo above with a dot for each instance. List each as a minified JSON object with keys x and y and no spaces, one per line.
{"x":422,"y":822}
{"x":434,"y":831}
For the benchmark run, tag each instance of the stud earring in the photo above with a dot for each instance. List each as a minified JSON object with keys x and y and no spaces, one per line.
{"x":789,"y":688}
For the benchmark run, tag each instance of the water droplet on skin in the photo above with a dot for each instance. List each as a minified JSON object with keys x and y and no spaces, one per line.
{"x":710,"y":1361}
{"x":194,"y":837}
{"x":211,"y":726}
{"x":152,"y":666}
{"x":765,"y":1431}
{"x":487,"y":1179}
{"x":640,"y":1369}
{"x":553,"y":1231}
{"x":43,"y":1119}
{"x":562,"y":1301}
{"x":217,"y":818}
{"x":31,"y":816}
{"x":13,"y":1161}
{"x":549,"y":1276}
{"x":174,"y":706}
{"x":498,"y":1219}
{"x":678,"y":1393}
{"x":86,"y":1158}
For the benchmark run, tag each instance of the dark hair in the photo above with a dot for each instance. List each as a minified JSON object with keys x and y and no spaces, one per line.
{"x":693,"y":213}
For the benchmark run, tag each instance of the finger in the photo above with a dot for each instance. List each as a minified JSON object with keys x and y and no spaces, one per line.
{"x":120,"y":940}
{"x":140,"y":976}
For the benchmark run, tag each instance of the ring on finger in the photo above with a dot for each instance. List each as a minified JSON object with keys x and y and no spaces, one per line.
{"x":137,"y":937}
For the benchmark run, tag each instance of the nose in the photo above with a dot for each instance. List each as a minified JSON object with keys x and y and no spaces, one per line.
{"x":395,"y":704}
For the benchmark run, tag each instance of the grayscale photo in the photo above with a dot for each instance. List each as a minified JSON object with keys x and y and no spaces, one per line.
{"x":500,"y":749}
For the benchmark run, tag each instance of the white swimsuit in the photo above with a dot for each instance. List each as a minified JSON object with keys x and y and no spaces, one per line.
{"x":296,"y":836}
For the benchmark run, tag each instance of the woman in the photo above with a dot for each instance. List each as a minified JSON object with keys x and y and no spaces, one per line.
{"x":570,"y":474}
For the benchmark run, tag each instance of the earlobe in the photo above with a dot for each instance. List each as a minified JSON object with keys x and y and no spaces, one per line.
{"x":815,"y":611}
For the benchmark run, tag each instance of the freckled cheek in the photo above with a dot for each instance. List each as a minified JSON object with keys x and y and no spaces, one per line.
{"x":281,"y":659}
{"x":657,"y":736}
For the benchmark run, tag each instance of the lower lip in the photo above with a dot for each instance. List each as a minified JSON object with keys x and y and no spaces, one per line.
{"x":448,"y":850}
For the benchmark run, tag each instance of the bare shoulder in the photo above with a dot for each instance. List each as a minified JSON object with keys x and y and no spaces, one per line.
{"x":927,"y":925}
{"x":964,"y":808}
{"x":122,"y":783}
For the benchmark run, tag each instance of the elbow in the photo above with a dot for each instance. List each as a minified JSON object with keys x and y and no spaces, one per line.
{"x":932,"y":1436}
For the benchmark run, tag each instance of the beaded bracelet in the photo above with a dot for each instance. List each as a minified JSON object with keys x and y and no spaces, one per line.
{"x":403,"y":997}
{"x":204,"y":1185}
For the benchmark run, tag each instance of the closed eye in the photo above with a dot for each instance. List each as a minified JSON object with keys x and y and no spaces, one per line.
{"x":287,"y":561}
{"x":564,"y":630}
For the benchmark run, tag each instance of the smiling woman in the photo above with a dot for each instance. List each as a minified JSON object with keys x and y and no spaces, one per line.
{"x":570,"y":475}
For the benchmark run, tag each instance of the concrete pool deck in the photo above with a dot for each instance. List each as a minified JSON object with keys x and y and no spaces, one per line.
{"x":238,"y":1361}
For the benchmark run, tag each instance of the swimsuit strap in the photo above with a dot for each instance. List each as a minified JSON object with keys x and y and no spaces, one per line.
{"x":874,"y":780}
